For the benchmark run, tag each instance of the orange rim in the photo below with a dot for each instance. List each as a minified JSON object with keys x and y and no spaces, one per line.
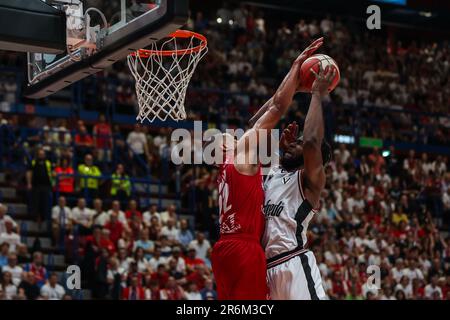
{"x":183,"y":34}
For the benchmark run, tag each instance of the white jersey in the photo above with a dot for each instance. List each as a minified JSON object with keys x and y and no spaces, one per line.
{"x":286,"y":211}
{"x":292,"y":271}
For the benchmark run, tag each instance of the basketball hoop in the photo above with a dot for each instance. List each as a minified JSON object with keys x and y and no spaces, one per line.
{"x":163,"y":72}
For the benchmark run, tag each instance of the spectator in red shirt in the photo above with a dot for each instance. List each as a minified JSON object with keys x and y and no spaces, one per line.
{"x":103,"y":139}
{"x":172,"y":291}
{"x":115,"y":227}
{"x":191,"y":260}
{"x":83,"y":142}
{"x":153,"y":292}
{"x":161,"y":276}
{"x":65,"y":181}
{"x":338,"y":288}
{"x":199,"y":276}
{"x":133,"y":210}
{"x":37,"y":268}
{"x":106,"y":243}
{"x":376,"y":160}
{"x":134,"y":291}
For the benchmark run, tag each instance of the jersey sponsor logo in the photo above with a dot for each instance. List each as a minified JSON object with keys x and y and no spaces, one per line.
{"x":273,"y":210}
{"x":286,"y":179}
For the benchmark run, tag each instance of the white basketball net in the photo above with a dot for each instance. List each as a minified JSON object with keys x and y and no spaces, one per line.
{"x":162,"y":80}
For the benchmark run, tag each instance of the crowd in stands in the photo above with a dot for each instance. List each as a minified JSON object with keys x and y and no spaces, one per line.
{"x":388,"y":209}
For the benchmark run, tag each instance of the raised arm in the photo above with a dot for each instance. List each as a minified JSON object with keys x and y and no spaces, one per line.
{"x":313,"y":134}
{"x":271,"y":112}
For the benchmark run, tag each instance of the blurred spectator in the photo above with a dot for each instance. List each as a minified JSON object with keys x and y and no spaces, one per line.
{"x":52,"y":290}
{"x":29,"y":287}
{"x":172,"y":291}
{"x":133,"y":211}
{"x":153,"y":292}
{"x":103,"y":139}
{"x":208,"y":292}
{"x":432,"y":290}
{"x":192,"y":260}
{"x":115,"y":208}
{"x":192,"y":292}
{"x":185,"y":236}
{"x":64,"y":178}
{"x":4,"y":249}
{"x":137,"y":142}
{"x":37,"y":268}
{"x":169,"y":213}
{"x":160,"y":275}
{"x":13,"y":268}
{"x":101,"y":217}
{"x":89,"y":182}
{"x":157,"y":259}
{"x":134,"y":291}
{"x":200,"y":245}
{"x":10,"y":237}
{"x":152,"y":212}
{"x":4,"y":218}
{"x":62,"y":220}
{"x":170,"y":231}
{"x":7,"y":286}
{"x":120,"y":184}
{"x":145,"y":243}
{"x":82,"y":217}
{"x":83,"y":141}
{"x":39,"y":181}
{"x":115,"y":227}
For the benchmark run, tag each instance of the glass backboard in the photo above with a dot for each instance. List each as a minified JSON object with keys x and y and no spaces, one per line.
{"x":100,"y":33}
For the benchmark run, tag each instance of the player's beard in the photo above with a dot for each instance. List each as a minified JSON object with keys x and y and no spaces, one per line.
{"x":291,"y":164}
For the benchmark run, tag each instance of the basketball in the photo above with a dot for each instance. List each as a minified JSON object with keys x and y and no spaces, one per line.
{"x":307,"y":77}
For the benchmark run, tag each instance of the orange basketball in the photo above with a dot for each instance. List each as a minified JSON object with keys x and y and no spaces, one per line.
{"x":307,"y":77}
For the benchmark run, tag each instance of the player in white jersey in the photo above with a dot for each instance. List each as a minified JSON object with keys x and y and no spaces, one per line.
{"x":292,"y":191}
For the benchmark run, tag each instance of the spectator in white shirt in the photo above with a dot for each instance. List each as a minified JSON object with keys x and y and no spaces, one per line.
{"x":52,"y":290}
{"x":405,"y":286}
{"x":342,"y":154}
{"x":10,"y":237}
{"x":180,"y":263}
{"x":115,"y":208}
{"x":151,"y":212}
{"x":13,"y":268}
{"x":169,"y":213}
{"x":413,"y":271}
{"x":432,"y":289}
{"x":398,"y":270}
{"x":100,"y":217}
{"x":201,"y":245}
{"x":192,"y":293}
{"x":4,"y":217}
{"x":142,"y":263}
{"x":61,"y":219}
{"x":170,"y":231}
{"x":157,"y":258}
{"x":83,"y":217}
{"x":137,"y":142}
{"x":7,"y":286}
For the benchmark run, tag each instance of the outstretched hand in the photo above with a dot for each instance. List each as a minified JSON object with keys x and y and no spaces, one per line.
{"x":289,"y":135}
{"x":308,"y":52}
{"x":323,"y":80}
